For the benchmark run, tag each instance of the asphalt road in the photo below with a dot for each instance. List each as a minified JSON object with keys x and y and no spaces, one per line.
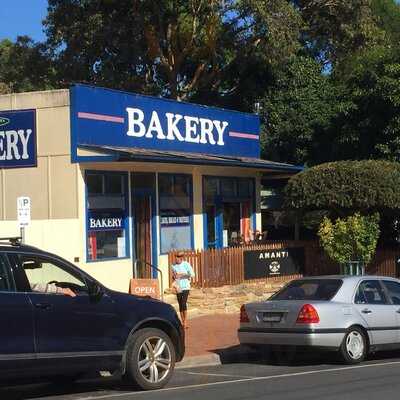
{"x":307,"y":378}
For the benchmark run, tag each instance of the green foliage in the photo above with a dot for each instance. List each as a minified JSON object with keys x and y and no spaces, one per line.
{"x":368,"y":125}
{"x":345,"y":187}
{"x":387,"y":16}
{"x":325,"y":73}
{"x":351,"y":239}
{"x":336,"y":28}
{"x":24,"y":66}
{"x":349,"y":108}
{"x":296,"y":108}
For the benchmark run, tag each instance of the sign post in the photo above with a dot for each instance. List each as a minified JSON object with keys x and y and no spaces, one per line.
{"x":24,"y":214}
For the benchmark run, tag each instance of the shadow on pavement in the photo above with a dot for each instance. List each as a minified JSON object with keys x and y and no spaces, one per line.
{"x":286,"y":356}
{"x":272,"y":356}
{"x":42,"y":390}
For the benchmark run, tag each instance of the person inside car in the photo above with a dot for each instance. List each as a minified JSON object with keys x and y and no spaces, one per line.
{"x":51,"y":288}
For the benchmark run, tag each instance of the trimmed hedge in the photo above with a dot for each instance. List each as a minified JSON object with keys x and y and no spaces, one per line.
{"x":346,"y":186}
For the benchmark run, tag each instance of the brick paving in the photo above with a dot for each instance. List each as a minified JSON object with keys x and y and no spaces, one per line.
{"x":211,"y":332}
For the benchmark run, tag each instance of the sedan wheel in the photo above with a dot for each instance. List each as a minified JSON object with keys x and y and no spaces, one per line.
{"x":354,"y":346}
{"x":150,"y":359}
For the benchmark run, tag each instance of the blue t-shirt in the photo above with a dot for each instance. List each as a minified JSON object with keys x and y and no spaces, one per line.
{"x":183,"y":268}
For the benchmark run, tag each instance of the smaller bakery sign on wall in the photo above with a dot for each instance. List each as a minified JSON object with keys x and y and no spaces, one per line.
{"x":275,"y":262}
{"x":18,"y":139}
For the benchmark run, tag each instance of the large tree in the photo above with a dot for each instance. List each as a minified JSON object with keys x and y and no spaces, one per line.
{"x":175,"y":48}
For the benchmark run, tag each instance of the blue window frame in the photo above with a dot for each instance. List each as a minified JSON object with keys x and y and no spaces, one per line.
{"x":175,"y":208}
{"x":107,"y":215}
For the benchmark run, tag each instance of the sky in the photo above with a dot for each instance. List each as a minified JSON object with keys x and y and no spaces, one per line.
{"x":22,"y":17}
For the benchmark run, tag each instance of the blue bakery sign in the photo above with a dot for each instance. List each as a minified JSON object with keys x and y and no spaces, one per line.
{"x":17,"y":139}
{"x":103,"y":117}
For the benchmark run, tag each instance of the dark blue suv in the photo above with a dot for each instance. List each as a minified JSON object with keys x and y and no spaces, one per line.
{"x":59,"y":323}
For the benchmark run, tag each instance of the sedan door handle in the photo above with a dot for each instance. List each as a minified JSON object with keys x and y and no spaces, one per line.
{"x":398,"y":311}
{"x":366,"y":311}
{"x":43,"y":306}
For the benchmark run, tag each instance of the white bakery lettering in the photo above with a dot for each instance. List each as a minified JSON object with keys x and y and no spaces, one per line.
{"x":183,"y":128}
{"x":105,"y":223}
{"x":14,"y":144}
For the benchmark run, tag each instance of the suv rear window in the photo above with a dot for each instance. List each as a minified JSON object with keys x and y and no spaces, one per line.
{"x":310,"y":289}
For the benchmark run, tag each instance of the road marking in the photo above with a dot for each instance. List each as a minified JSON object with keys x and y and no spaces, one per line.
{"x":221,"y":375}
{"x":257,"y":378}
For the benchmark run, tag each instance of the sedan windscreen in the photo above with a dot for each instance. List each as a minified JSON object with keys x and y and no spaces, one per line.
{"x":310,"y":289}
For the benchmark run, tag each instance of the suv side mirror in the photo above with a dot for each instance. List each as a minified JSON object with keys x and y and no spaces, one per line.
{"x":95,"y":290}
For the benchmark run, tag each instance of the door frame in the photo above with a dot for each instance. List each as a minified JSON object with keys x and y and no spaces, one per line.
{"x":152,"y":194}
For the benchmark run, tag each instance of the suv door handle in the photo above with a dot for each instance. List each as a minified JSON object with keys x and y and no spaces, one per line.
{"x":366,"y":311}
{"x":398,"y":311}
{"x":43,"y":306}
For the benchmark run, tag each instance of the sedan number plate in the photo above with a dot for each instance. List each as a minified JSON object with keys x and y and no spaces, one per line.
{"x":272,"y":317}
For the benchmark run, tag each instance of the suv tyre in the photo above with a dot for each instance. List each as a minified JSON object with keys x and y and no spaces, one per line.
{"x":150,"y":359}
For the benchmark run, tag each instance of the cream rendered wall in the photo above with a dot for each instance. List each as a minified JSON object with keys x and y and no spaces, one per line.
{"x":56,"y":189}
{"x":52,"y":185}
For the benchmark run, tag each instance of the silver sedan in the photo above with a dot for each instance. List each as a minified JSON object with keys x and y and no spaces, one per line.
{"x":350,"y":314}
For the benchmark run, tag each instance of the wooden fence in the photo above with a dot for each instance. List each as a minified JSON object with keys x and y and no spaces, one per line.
{"x":218,"y":267}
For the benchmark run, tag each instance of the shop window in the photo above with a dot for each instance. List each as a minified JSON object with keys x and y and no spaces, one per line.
{"x":175,"y":204}
{"x":245,"y":188}
{"x":228,"y":205}
{"x":211,"y":187}
{"x":107,"y":215}
{"x":94,"y":184}
{"x":228,"y":187}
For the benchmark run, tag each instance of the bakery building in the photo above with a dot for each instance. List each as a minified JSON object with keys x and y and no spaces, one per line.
{"x":116,"y":180}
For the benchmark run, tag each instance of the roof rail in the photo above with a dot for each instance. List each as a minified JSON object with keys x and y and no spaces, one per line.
{"x":14,"y":241}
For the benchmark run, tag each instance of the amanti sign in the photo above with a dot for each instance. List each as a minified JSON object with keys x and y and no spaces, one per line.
{"x":17,"y":139}
{"x":273,"y":262}
{"x":112,"y":118}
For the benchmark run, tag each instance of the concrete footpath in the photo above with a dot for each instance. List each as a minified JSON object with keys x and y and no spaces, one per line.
{"x":211,"y":340}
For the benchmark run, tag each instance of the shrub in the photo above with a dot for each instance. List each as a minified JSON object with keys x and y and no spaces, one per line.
{"x":345,"y":187}
{"x":351,"y":239}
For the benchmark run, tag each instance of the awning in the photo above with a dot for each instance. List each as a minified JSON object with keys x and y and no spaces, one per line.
{"x":144,"y":155}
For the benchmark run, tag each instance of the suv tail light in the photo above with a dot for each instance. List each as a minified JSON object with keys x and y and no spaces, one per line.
{"x":243,"y":315}
{"x":308,"y":315}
